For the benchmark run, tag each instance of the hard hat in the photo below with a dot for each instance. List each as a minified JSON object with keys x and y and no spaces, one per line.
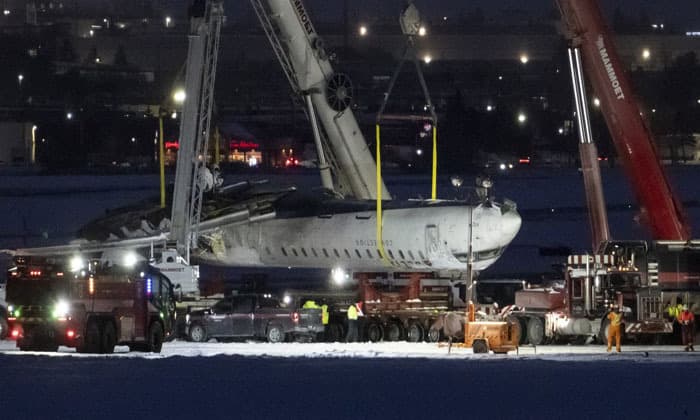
{"x":685,"y":307}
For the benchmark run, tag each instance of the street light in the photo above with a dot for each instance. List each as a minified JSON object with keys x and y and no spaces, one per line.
{"x":168,"y":20}
{"x":427,"y":59}
{"x":20,"y":78}
{"x":646,"y":54}
{"x":179,"y":96}
{"x":69,"y":115}
{"x":422,"y":31}
{"x":522,"y":118}
{"x":524,"y":58}
{"x":363,"y":30}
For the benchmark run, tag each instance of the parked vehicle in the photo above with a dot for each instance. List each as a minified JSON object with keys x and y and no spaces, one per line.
{"x":88,"y":306}
{"x":255,"y":316}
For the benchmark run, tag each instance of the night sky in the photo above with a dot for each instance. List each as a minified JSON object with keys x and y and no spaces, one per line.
{"x":684,"y":13}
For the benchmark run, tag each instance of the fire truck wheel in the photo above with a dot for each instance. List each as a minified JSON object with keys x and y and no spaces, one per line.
{"x":415,"y":332}
{"x":155,"y":337}
{"x":109,"y":338}
{"x":535,"y":331}
{"x":275,"y":334}
{"x":480,"y":346}
{"x":197,"y":333}
{"x":91,"y":342}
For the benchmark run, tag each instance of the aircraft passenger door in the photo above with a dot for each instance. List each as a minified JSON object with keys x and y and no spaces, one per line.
{"x":242,"y":316}
{"x":219,"y":323}
{"x":432,"y":242}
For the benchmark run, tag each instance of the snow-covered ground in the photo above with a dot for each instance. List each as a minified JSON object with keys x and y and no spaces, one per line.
{"x":353,"y":381}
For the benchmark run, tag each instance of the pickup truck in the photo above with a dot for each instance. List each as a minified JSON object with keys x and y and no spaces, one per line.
{"x":253,"y":316}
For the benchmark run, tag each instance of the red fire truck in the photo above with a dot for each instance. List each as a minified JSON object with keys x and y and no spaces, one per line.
{"x":92,"y":306}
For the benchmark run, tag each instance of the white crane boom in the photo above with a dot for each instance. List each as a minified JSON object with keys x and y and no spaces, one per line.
{"x":305,"y":62}
{"x":205,"y":29}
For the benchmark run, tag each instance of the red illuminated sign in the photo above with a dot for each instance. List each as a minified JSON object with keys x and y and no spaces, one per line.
{"x":243,"y":145}
{"x":172,"y":145}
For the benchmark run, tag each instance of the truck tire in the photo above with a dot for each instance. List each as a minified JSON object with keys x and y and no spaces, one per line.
{"x":3,"y":328}
{"x":521,"y":325}
{"x":375,"y":332}
{"x":603,"y":333}
{"x":109,"y":338}
{"x":433,"y":335}
{"x":275,"y":334}
{"x":197,"y":333}
{"x":393,"y":331}
{"x":92,"y":340}
{"x":535,"y":331}
{"x":155,"y":338}
{"x":415,"y":332}
{"x":334,"y":333}
{"x":480,"y":347}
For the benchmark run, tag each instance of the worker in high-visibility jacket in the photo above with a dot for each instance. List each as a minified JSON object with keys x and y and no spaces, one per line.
{"x":615,"y":318}
{"x":354,"y":311}
{"x":687,"y":320}
{"x":310,"y":304}
{"x":324,"y":314}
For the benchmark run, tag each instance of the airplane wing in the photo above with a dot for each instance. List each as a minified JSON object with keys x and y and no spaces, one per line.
{"x":90,"y":246}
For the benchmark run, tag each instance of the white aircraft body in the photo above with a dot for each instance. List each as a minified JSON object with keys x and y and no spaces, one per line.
{"x":246,"y":225}
{"x":416,"y":235}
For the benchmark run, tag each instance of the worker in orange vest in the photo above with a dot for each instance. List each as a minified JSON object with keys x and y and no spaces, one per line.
{"x":687,"y":320}
{"x":615,"y":318}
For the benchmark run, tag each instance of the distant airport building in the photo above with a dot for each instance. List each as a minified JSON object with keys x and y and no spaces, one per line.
{"x":16,"y":143}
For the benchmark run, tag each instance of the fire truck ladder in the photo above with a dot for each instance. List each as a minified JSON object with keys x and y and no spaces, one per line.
{"x":328,"y":165}
{"x":195,"y":125}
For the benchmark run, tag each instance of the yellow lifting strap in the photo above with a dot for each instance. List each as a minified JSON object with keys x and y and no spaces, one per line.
{"x":433,"y":194}
{"x":380,"y":225}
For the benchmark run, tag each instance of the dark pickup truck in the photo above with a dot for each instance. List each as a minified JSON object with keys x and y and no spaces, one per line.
{"x":256,"y":316}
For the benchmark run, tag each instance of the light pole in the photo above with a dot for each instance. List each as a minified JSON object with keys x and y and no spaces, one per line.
{"x":33,"y":159}
{"x":161,"y":156}
{"x":179,"y":98}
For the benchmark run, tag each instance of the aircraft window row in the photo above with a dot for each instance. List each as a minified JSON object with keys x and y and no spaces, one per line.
{"x":389,"y":253}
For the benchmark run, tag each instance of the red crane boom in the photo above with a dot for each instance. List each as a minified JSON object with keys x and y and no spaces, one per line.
{"x":586,"y":29}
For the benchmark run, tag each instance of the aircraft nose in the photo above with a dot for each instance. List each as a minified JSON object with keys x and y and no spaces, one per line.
{"x":510,"y":225}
